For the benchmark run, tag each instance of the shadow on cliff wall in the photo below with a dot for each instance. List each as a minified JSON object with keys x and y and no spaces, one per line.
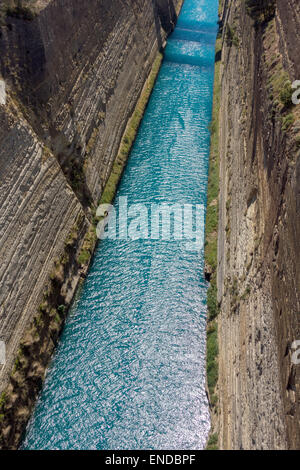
{"x":165,"y":17}
{"x":43,"y":72}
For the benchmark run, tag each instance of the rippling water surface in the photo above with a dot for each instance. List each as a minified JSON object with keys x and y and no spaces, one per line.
{"x":129,"y":372}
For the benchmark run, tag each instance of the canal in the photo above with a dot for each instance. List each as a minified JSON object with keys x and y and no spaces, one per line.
{"x":129,"y":372}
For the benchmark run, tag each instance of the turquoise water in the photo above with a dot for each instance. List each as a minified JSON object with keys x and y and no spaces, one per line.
{"x":129,"y":372}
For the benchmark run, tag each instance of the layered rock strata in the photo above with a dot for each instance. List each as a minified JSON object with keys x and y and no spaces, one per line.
{"x":259,"y":226}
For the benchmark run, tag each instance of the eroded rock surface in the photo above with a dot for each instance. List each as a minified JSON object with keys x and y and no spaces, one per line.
{"x":259,"y":232}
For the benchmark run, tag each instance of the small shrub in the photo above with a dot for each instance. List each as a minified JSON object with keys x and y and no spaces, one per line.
{"x":286,"y":94}
{"x":84,"y":257}
{"x":17,"y":365}
{"x":246,"y":293}
{"x":212,"y":354}
{"x":212,"y":127}
{"x":231,"y":37}
{"x":213,"y":400}
{"x":61,"y":310}
{"x":57,"y":319}
{"x":3,"y":399}
{"x":213,"y":442}
{"x":287,"y":122}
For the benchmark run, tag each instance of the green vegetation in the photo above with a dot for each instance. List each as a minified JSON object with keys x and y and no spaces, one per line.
{"x":3,"y":399}
{"x":212,"y":358}
{"x":56,"y":316}
{"x":261,"y":10}
{"x":62,"y":310}
{"x":84,"y":257}
{"x":246,"y":293}
{"x":16,"y":365}
{"x":212,"y":304}
{"x":231,"y":36}
{"x":213,"y":442}
{"x":77,"y":177}
{"x":234,"y":295}
{"x":281,"y":92}
{"x":286,"y":94}
{"x":288,"y":121}
{"x":88,"y":246}
{"x":130,"y":135}
{"x":211,"y":241}
{"x":213,"y":177}
{"x":280,"y":86}
{"x":211,"y":244}
{"x":221,"y":5}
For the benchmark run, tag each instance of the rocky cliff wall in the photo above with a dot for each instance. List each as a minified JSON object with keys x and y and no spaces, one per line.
{"x":259,"y":227}
{"x":72,"y":72}
{"x":78,"y":68}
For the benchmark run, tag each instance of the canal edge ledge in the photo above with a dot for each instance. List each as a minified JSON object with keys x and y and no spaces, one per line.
{"x":211,"y":249}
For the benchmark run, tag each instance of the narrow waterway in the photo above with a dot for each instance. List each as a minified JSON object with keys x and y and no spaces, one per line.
{"x":129,"y":372}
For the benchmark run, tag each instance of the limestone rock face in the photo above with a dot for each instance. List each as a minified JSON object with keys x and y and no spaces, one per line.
{"x":259,"y":231}
{"x":73,"y":73}
{"x":38,"y":209}
{"x":78,"y":68}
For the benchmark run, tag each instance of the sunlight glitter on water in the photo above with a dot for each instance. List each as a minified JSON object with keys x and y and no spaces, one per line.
{"x":129,"y":372}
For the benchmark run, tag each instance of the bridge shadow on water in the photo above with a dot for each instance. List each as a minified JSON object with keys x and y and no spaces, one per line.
{"x":192,"y":43}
